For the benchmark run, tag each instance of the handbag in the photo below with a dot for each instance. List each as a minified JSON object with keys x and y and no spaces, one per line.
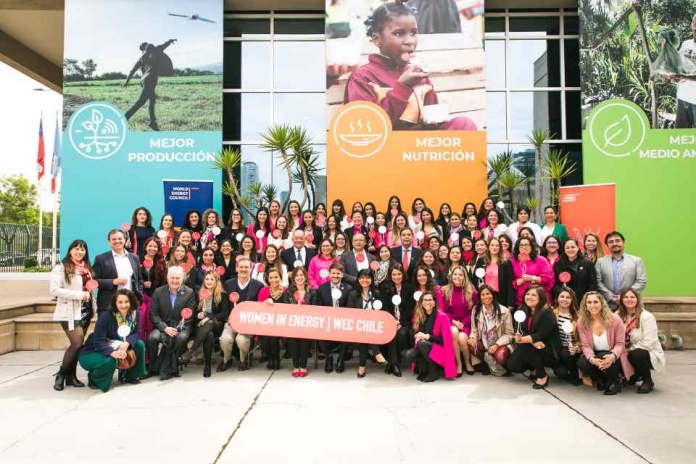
{"x":127,"y":362}
{"x":86,"y":313}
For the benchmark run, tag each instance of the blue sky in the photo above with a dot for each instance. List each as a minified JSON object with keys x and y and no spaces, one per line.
{"x":199,"y":42}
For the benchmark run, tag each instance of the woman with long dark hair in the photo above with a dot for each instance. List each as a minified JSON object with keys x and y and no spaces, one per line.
{"x":491,"y":334}
{"x":566,"y":311}
{"x":538,"y":343}
{"x":487,"y":205}
{"x":154,"y":272}
{"x":339,"y":210}
{"x":528,"y":268}
{"x":551,"y":227}
{"x":141,"y":229}
{"x":226,"y":259}
{"x":363,"y":296}
{"x":75,"y":307}
{"x":260,"y":229}
{"x":393,"y":209}
{"x":236,"y":227}
{"x":396,"y":295}
{"x":166,"y":234}
{"x":274,"y":213}
{"x":459,"y":298}
{"x":443,"y":217}
{"x":573,"y":268}
{"x":550,"y":249}
{"x":299,"y":293}
{"x":247,"y":248}
{"x":310,"y":228}
{"x":194,"y":223}
{"x":294,"y":215}
{"x":271,"y":259}
{"x":593,"y":247}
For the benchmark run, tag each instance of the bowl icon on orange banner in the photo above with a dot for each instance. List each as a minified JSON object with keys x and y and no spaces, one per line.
{"x":360,"y":140}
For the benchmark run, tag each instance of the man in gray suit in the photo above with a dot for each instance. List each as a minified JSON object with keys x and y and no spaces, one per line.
{"x":357,"y":259}
{"x":619,"y":270}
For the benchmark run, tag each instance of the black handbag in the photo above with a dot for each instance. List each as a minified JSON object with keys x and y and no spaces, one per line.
{"x":86,"y":313}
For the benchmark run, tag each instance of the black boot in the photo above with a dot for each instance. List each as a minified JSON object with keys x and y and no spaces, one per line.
{"x":59,"y":384}
{"x":340,"y":365}
{"x":328,"y":364}
{"x":72,"y":380}
{"x":206,"y":370}
{"x":395,"y":370}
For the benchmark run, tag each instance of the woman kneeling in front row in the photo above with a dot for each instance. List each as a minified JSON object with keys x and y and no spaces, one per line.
{"x":104,"y":348}
{"x":434,"y":352}
{"x":491,"y":334}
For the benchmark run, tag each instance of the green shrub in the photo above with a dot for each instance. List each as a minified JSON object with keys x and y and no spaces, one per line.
{"x":31,"y":262}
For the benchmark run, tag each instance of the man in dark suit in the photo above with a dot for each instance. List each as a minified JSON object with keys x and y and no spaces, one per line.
{"x":165,"y":313}
{"x":299,"y":252}
{"x":248,"y":290}
{"x":349,"y":260}
{"x":406,"y":254}
{"x":357,"y":228}
{"x":326,"y":297}
{"x":117,"y":268}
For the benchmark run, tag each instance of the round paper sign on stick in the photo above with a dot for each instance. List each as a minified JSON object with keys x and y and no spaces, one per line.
{"x":276,"y":233}
{"x":476,"y":234}
{"x":239,"y":237}
{"x":396,"y":300}
{"x":360,"y":257}
{"x":296,"y":296}
{"x":260,"y":233}
{"x":123,"y":331}
{"x":420,"y":235}
{"x":309,"y":237}
{"x":454,"y":237}
{"x":239,"y":257}
{"x":185,"y":267}
{"x":500,"y":205}
{"x":416,"y":220}
{"x":162,"y":234}
{"x":298,"y":263}
{"x":216,"y":230}
{"x":567,"y":327}
{"x":370,"y":220}
{"x":220,"y":271}
{"x":320,"y":221}
{"x":324,"y":273}
{"x":382,"y":229}
{"x":394,"y":212}
{"x":374,"y":265}
{"x":520,"y":316}
{"x":564,"y":277}
{"x":260,"y":268}
{"x":234,"y":297}
{"x":204,"y":294}
{"x":377,"y":305}
{"x":210,"y":236}
{"x":91,"y":285}
{"x":371,"y":234}
{"x":480,"y":273}
{"x":417,"y":295}
{"x":336,"y":294}
{"x":523,"y":257}
{"x":147,"y":264}
{"x":502,"y":228}
{"x":125,"y":227}
{"x":432,"y":273}
{"x":196,"y":235}
{"x":186,"y":313}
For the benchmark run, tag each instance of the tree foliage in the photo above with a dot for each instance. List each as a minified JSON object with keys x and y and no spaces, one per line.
{"x":18,"y":200}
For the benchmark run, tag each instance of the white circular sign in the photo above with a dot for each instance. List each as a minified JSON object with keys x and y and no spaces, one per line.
{"x":162,"y":234}
{"x":382,"y":229}
{"x":324,"y":273}
{"x":239,"y":237}
{"x":370,"y":220}
{"x":396,"y":300}
{"x":480,"y":273}
{"x":260,"y":233}
{"x":420,"y":235}
{"x":123,"y":331}
{"x":502,"y":228}
{"x":520,"y":316}
{"x":454,"y":237}
{"x":500,"y":205}
{"x":336,"y":294}
{"x":298,"y":263}
{"x":567,"y":327}
{"x":377,"y":305}
{"x":216,"y":230}
{"x":417,"y":295}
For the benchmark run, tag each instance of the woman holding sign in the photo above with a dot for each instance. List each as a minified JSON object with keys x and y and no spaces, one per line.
{"x":72,"y":283}
{"x":491,"y":334}
{"x":364,"y":296}
{"x":166,"y":234}
{"x":140,"y":230}
{"x":114,"y":344}
{"x":213,"y":311}
{"x":538,"y":343}
{"x":281,"y":237}
{"x":313,"y":234}
{"x":299,"y":293}
{"x":226,"y":260}
{"x":459,"y":298}
{"x":236,"y":227}
{"x":271,"y":259}
{"x":192,"y":223}
{"x":214,"y":228}
{"x":260,"y":229}
{"x":154,"y":272}
{"x":397,"y":300}
{"x":574,"y":271}
{"x":197,"y":274}
{"x":529,"y":268}
{"x":320,"y":264}
{"x":433,"y":353}
{"x":566,"y":311}
{"x":274,"y":293}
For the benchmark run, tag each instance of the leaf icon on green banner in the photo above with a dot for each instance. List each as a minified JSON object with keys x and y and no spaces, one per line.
{"x":619,"y":133}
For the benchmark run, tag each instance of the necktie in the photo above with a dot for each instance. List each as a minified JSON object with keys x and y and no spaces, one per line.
{"x":406,"y":259}
{"x":299,"y":255}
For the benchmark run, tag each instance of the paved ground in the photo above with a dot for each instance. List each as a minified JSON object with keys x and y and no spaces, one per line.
{"x":258,"y":417}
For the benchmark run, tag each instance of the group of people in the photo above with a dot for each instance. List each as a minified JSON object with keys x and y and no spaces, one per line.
{"x":468,"y":292}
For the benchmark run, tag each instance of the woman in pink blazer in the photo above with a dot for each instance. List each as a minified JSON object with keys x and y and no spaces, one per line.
{"x":529,"y":268}
{"x":434,"y":352}
{"x":603,"y":342}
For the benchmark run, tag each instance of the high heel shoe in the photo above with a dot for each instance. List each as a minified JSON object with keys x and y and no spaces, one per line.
{"x":72,"y":380}
{"x":537,"y":386}
{"x":296,"y":374}
{"x":396,"y":370}
{"x":303,"y":374}
{"x":206,"y":370}
{"x":185,"y":358}
{"x":361,"y":375}
{"x":59,"y":384}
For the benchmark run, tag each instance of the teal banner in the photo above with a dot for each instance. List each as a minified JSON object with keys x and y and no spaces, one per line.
{"x":143,"y":103}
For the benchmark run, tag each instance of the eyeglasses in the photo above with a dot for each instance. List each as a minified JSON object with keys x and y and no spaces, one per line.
{"x":525,"y":245}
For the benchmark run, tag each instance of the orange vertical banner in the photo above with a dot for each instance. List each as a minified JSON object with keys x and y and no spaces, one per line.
{"x":588,"y":209}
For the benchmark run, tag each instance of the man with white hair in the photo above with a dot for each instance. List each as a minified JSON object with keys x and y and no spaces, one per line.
{"x":299,"y":253}
{"x":166,"y":307}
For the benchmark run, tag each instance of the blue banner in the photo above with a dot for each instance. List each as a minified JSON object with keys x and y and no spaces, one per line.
{"x":181,"y":196}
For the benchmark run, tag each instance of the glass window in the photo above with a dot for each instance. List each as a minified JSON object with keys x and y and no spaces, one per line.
{"x":573,"y":116}
{"x":246,"y":65}
{"x":533,"y":63}
{"x":571,"y":25}
{"x":574,"y":151}
{"x":301,"y":26}
{"x":240,"y":27}
{"x":255,"y":118}
{"x":495,"y":27}
{"x":304,"y":109}
{"x":534,"y":110}
{"x":541,"y":27}
{"x":496,"y":148}
{"x":496,"y":107}
{"x":299,"y":65}
{"x":572,"y":60}
{"x":495,"y":64}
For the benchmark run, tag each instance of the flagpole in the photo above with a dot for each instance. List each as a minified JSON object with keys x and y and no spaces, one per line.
{"x":55,"y":192}
{"x":41,"y":172}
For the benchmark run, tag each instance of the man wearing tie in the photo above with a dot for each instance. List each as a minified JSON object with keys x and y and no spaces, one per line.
{"x":326,"y":296}
{"x":117,"y":268}
{"x":619,"y":271}
{"x":298,"y":252}
{"x":165,"y":313}
{"x":356,"y":260}
{"x":406,"y":254}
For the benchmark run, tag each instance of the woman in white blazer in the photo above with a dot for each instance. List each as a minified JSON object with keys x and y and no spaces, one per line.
{"x":75,"y":308}
{"x":644,"y":350}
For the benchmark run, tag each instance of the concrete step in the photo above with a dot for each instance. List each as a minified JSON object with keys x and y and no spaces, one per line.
{"x":39,"y":332}
{"x":670,"y":304}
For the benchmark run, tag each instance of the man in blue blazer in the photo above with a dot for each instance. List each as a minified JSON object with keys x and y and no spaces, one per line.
{"x":407,"y":250}
{"x":117,"y":268}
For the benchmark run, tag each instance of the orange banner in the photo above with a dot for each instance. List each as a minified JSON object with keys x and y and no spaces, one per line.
{"x":368,"y":161}
{"x":588,"y":209}
{"x":313,"y":322}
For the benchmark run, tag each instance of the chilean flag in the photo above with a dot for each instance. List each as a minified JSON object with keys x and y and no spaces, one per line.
{"x":41,"y":155}
{"x":56,"y":161}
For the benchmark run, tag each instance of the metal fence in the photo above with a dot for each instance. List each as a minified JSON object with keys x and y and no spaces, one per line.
{"x":18,"y":242}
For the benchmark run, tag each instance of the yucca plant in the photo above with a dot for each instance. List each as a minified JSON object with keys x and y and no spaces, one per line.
{"x":557,"y":167}
{"x":539,"y":138}
{"x":510,"y":181}
{"x":228,"y":160}
{"x":498,"y":165}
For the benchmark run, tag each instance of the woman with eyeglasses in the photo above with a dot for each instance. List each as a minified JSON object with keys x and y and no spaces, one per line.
{"x":528,"y":268}
{"x":550,"y":249}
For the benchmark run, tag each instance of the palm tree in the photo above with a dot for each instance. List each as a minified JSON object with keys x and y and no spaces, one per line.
{"x":228,"y":160}
{"x":269,"y":192}
{"x":557,"y":167}
{"x":312,"y":172}
{"x":511,"y":180}
{"x":498,"y":165}
{"x":539,"y":138}
{"x":278,"y":139}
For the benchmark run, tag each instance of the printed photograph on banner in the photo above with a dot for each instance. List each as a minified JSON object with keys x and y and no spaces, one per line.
{"x":158,"y":61}
{"x":421,"y":61}
{"x":643,"y":52}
